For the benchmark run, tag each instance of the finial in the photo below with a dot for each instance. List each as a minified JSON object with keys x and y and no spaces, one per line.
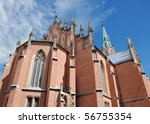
{"x":18,"y":44}
{"x":72,"y":21}
{"x":60,"y":23}
{"x":49,"y":28}
{"x":89,"y":27}
{"x":81,"y":28}
{"x":81,"y":31}
{"x":129,"y":42}
{"x":31,"y":33}
{"x":56,"y":19}
{"x":30,"y":37}
{"x":65,"y":24}
{"x":44,"y":36}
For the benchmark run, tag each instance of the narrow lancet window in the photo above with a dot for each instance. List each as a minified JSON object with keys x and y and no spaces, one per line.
{"x":103,"y":78}
{"x":37,"y":72}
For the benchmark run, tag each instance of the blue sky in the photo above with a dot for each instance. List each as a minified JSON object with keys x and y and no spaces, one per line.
{"x":122,"y":18}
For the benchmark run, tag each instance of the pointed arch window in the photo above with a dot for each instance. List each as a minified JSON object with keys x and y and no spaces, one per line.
{"x":103,"y":78}
{"x":38,"y":67}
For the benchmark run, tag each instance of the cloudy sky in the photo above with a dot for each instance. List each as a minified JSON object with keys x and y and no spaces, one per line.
{"x":122,"y":19}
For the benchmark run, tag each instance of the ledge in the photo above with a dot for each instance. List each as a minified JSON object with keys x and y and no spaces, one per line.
{"x":73,"y":93}
{"x":95,"y":60}
{"x":34,"y":89}
{"x":14,"y":86}
{"x":72,"y":66}
{"x":54,"y":88}
{"x":55,"y":59}
{"x":98,"y":90}
{"x":133,"y":100}
{"x":107,"y":96}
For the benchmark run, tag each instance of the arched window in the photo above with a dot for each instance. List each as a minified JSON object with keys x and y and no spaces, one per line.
{"x":37,"y":72}
{"x":103,"y":78}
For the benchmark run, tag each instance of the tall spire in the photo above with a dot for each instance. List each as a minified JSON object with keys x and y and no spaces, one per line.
{"x":107,"y":48}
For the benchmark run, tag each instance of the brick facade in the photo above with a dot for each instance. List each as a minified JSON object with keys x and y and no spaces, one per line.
{"x":71,"y":76}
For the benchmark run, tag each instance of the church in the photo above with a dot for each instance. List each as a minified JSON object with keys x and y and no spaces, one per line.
{"x":65,"y":69}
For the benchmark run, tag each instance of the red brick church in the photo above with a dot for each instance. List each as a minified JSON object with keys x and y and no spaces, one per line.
{"x":66,"y":69}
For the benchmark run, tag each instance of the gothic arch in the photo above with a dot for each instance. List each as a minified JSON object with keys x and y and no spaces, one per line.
{"x":37,"y":68}
{"x":103,"y":78}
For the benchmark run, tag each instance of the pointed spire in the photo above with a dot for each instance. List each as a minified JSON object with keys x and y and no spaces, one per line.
{"x":56,"y":19}
{"x":65,"y":24}
{"x":106,"y":39}
{"x":90,"y":30}
{"x":132,"y":50}
{"x":90,"y":33}
{"x":73,"y":26}
{"x":44,"y":36}
{"x":49,"y":28}
{"x":60,"y":23}
{"x":18,"y":44}
{"x":107,"y":47}
{"x":30,"y":37}
{"x":72,"y":21}
{"x":81,"y":31}
{"x":129,"y":42}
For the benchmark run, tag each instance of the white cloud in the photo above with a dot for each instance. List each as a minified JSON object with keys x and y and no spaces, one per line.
{"x":17,"y":17}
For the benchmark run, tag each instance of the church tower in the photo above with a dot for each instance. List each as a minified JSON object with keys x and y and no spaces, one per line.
{"x":107,"y":47}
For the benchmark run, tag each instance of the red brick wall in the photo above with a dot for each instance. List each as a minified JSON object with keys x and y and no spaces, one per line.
{"x":131,"y":84}
{"x":85,"y":81}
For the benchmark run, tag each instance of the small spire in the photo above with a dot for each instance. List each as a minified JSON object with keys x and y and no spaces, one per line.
{"x":72,"y":21}
{"x":60,"y":23}
{"x":90,"y":30}
{"x":65,"y":24}
{"x":81,"y":31}
{"x":73,"y":26}
{"x":30,"y":37}
{"x":18,"y":44}
{"x":56,"y":19}
{"x":129,"y":42}
{"x":44,"y":36}
{"x":49,"y":28}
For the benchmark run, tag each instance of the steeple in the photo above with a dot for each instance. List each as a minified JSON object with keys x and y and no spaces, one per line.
{"x":107,"y":47}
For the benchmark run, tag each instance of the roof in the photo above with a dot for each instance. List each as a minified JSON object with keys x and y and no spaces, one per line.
{"x":120,"y":57}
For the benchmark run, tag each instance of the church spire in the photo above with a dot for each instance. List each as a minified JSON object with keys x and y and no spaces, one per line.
{"x":107,"y":47}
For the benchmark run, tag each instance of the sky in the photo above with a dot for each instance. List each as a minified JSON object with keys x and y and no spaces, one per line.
{"x":122,"y":19}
